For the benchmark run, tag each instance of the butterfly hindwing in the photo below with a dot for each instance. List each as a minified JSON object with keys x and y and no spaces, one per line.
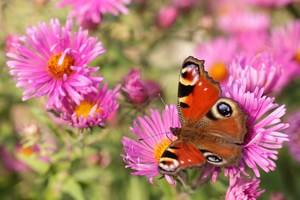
{"x":178,"y":156}
{"x":197,"y":92}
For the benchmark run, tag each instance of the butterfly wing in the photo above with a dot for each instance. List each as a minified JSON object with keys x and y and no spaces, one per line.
{"x":225,"y":120}
{"x":197,"y":92}
{"x":178,"y":156}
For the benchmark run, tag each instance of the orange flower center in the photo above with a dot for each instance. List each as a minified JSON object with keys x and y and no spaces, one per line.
{"x":218,"y":72}
{"x":58,"y":68}
{"x":84,"y":109}
{"x":26,"y":151}
{"x":297,"y":56}
{"x":159,"y":148}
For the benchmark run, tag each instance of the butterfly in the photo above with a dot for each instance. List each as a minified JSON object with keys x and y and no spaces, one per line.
{"x":213,"y":128}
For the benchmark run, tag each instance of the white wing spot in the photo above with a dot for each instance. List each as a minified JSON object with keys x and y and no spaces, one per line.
{"x":200,"y":83}
{"x":189,"y":160}
{"x":182,"y":162}
{"x":205,"y":89}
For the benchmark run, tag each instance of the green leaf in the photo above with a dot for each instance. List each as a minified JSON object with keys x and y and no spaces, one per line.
{"x":73,"y":188}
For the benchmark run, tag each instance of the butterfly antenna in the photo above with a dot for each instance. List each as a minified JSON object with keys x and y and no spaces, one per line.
{"x":152,"y":136}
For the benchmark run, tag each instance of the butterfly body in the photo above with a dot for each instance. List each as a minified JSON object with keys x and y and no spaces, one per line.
{"x":213,"y":128}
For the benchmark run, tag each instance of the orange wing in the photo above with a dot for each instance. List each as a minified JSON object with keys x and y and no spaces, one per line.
{"x":178,"y":156}
{"x":197,"y":92}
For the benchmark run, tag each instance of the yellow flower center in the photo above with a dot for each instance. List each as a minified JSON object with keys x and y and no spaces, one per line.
{"x":218,"y":72}
{"x":159,"y":148}
{"x":297,"y":56}
{"x":56,"y":69}
{"x":26,"y":151}
{"x":84,"y":109}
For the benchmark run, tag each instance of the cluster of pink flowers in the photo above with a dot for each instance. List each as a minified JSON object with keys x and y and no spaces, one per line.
{"x":53,"y":61}
{"x":275,"y":50}
{"x":90,"y":13}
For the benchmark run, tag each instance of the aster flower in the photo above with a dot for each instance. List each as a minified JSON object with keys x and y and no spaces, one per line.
{"x":253,"y":43}
{"x":216,"y":59}
{"x":139,"y":92}
{"x":166,"y":17}
{"x":243,"y":188}
{"x":258,"y":71}
{"x":93,"y":110}
{"x":285,"y":42}
{"x":11,"y":162}
{"x":184,"y":4}
{"x":89,"y":13}
{"x":154,"y":137}
{"x":269,"y":3}
{"x":10,"y":43}
{"x":294,"y":135}
{"x":52,"y":61}
{"x":243,"y":22}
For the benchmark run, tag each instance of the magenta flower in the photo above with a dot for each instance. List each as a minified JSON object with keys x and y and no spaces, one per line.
{"x":154,"y":137}
{"x":184,"y":4}
{"x":139,"y":92}
{"x":286,"y":47}
{"x":89,"y":13}
{"x":243,"y":22}
{"x":93,"y":110}
{"x":294,"y":135}
{"x":11,"y":162}
{"x":166,"y":17}
{"x":253,"y":43}
{"x":258,"y":71}
{"x":52,"y":61}
{"x":11,"y":41}
{"x":216,"y":59}
{"x":269,"y":3}
{"x":243,"y":188}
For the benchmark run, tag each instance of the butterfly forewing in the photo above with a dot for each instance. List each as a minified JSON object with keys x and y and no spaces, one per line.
{"x":197,"y":92}
{"x":180,"y":155}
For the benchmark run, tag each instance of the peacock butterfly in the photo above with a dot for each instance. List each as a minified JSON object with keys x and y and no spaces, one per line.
{"x":213,"y":128}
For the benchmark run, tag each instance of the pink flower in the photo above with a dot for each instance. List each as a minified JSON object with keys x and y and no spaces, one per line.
{"x":253,"y":43}
{"x":286,"y":47}
{"x":89,"y":13}
{"x":243,"y":22}
{"x":184,"y":4}
{"x":93,"y":110}
{"x":294,"y":135}
{"x":53,"y":61}
{"x":11,"y":162}
{"x":258,"y":71}
{"x":243,"y":188}
{"x":217,"y":60}
{"x":154,"y":137}
{"x":269,"y":3}
{"x":166,"y":17}
{"x":10,"y":42}
{"x":138,"y":92}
